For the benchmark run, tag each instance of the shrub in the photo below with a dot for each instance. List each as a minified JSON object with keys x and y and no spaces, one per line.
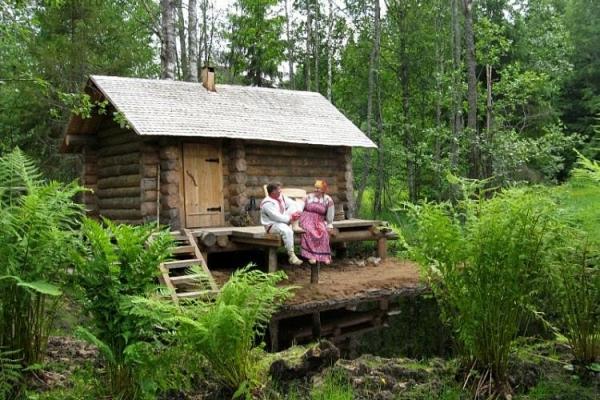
{"x":577,"y":289}
{"x":484,"y":258}
{"x":118,"y":264}
{"x":224,"y":331}
{"x":38,"y":231}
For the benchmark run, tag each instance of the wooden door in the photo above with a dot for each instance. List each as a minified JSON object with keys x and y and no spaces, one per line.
{"x":203,"y":185}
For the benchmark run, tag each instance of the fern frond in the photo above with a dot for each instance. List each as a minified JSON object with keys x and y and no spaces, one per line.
{"x":18,"y":173}
{"x":10,"y":371}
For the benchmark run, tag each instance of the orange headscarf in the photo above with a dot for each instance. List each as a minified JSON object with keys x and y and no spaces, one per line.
{"x":321,"y":184}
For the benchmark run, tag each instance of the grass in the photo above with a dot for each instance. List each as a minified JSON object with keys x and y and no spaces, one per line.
{"x":580,"y":203}
{"x":335,"y":387}
{"x":563,"y":389}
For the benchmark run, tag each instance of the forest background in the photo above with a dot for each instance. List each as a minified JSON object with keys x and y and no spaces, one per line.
{"x":491,"y":88}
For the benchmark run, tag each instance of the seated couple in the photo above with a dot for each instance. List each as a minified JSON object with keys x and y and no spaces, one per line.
{"x":315,"y":217}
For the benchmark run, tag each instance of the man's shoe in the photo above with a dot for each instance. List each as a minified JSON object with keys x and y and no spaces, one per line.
{"x":294,"y":260}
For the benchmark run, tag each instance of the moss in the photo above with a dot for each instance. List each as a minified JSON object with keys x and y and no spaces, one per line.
{"x":560,"y":389}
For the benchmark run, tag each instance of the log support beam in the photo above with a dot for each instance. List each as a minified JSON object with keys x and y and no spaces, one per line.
{"x":272,"y":259}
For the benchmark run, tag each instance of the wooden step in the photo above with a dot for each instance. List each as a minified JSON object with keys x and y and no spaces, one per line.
{"x":196,"y":294}
{"x":187,"y":279}
{"x":188,"y":249}
{"x":182,"y":263}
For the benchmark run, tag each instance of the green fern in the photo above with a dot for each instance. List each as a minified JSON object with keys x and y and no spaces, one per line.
{"x":225,"y":331}
{"x":119,"y":263}
{"x":10,"y":372}
{"x":38,"y":222}
{"x":486,"y":259}
{"x":586,"y":171}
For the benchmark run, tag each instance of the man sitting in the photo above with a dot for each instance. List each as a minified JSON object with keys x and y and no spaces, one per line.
{"x":277,"y":212}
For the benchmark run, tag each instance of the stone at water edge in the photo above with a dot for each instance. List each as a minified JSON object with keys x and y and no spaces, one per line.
{"x":322,"y":355}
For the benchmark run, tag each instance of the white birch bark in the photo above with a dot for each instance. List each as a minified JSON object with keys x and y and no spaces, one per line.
{"x":192,"y":41}
{"x":168,"y":55}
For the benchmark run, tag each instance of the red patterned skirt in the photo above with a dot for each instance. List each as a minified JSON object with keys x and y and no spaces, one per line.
{"x":314,"y":244}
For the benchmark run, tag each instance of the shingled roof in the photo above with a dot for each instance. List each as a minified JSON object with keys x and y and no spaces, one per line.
{"x":174,"y":108}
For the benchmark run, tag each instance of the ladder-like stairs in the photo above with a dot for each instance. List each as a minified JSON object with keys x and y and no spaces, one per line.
{"x":175,"y":274}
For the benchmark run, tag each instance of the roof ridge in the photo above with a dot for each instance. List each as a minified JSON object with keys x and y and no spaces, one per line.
{"x":227,"y":85}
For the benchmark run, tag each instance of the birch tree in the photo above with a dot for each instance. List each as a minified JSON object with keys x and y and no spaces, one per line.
{"x":475,"y":144}
{"x":192,"y":41}
{"x":182,"y":40}
{"x":168,"y":56}
{"x":373,"y":67}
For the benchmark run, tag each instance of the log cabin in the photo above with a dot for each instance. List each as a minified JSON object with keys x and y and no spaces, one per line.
{"x":197,"y":155}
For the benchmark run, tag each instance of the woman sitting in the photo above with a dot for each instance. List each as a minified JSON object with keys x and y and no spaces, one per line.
{"x":317,"y":221}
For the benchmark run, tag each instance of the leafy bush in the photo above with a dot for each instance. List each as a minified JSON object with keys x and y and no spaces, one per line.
{"x":38,"y":231}
{"x":484,"y":259}
{"x":577,"y":289}
{"x":118,"y":264}
{"x":224,"y":331}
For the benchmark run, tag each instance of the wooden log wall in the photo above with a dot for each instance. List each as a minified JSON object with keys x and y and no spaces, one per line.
{"x":294,"y":166}
{"x":89,"y":178}
{"x":171,"y":197}
{"x":149,"y":184}
{"x":236,"y":198}
{"x":118,"y":173}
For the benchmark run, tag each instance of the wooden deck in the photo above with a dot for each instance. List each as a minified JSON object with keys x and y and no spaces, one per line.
{"x":226,"y":239}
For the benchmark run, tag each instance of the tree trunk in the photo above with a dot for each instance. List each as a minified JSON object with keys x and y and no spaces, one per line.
{"x":192,"y":42}
{"x":290,"y":47}
{"x":168,"y":56}
{"x":308,"y":39}
{"x":475,"y":145}
{"x":440,"y":94}
{"x":316,"y":46}
{"x":373,"y":62}
{"x":202,"y":40}
{"x":209,"y":42}
{"x":380,"y":182}
{"x":409,"y":140}
{"x":489,"y":122}
{"x":329,"y":50}
{"x":182,"y":40}
{"x":457,"y":113}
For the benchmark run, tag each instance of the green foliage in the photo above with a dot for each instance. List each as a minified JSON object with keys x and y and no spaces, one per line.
{"x":335,"y":386}
{"x":256,"y":41}
{"x":38,"y":225}
{"x":47,"y":51}
{"x":83,"y":384}
{"x":581,"y":93}
{"x":10,"y":372}
{"x":119,"y":263}
{"x":563,"y":389}
{"x":577,"y":292}
{"x":578,"y":296}
{"x":484,"y":260}
{"x":224,"y":332}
